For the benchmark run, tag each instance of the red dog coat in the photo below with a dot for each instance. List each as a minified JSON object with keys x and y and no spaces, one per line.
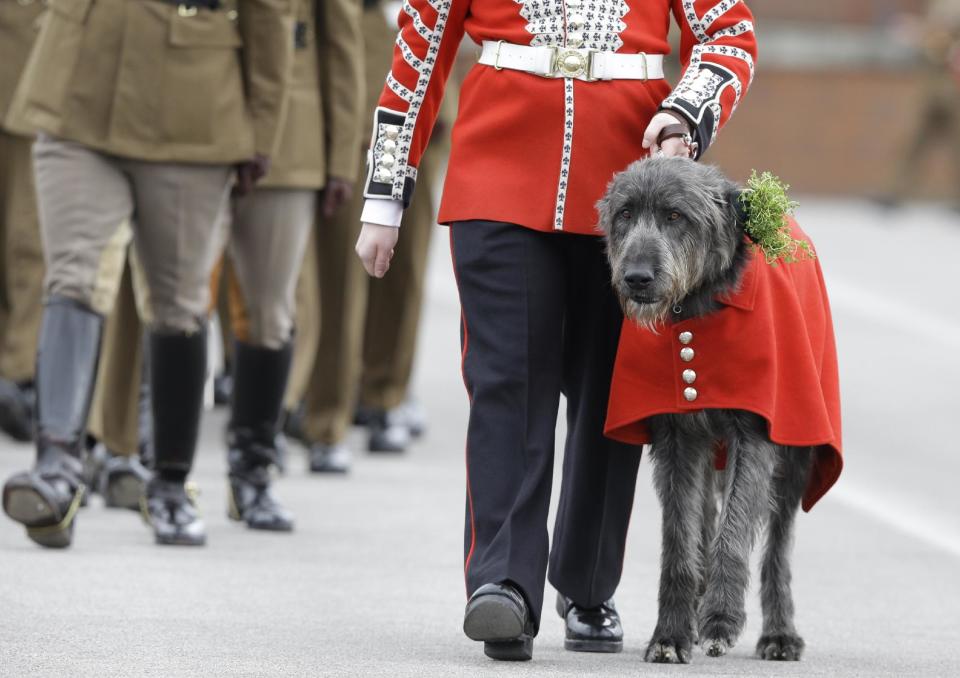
{"x":770,"y":350}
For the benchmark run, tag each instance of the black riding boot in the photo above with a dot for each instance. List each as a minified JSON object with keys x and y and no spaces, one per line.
{"x":178,"y":364}
{"x":259,"y":382}
{"x":45,"y":500}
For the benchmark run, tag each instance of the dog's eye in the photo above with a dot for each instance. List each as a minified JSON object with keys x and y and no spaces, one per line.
{"x":626,"y":214}
{"x":673,"y":216}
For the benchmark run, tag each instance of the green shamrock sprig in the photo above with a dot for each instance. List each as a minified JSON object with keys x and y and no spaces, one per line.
{"x":766,"y":206}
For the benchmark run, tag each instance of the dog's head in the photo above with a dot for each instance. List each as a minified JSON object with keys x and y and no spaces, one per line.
{"x":671,"y":228}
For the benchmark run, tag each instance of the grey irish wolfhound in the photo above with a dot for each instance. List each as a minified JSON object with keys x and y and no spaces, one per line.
{"x":674,"y":244}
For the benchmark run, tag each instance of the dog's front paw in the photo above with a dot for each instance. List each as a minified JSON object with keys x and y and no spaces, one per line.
{"x":669,"y":650}
{"x":715,"y":647}
{"x":784,"y":647}
{"x":719,"y":632}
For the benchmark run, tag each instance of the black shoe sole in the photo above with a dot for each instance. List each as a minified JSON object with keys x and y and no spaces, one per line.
{"x":520,"y":650}
{"x":180,"y":541}
{"x":493,"y":618}
{"x":123,"y":490}
{"x":335,"y":470}
{"x":31,"y":509}
{"x":604,"y":646}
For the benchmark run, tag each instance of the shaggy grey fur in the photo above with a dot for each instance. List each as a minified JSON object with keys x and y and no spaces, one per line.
{"x":674,"y":244}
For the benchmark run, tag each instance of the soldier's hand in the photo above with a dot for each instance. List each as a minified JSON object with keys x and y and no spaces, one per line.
{"x":250,"y":172}
{"x":336,"y":194}
{"x":375,"y":248}
{"x":672,"y":147}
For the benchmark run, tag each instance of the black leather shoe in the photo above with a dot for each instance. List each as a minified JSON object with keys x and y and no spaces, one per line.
{"x":595,"y":629}
{"x":46,"y":499}
{"x":498,"y":615}
{"x":123,"y":480}
{"x":329,"y":458}
{"x":387,"y":432}
{"x":17,"y":405}
{"x":169,"y":509}
{"x":250,"y":498}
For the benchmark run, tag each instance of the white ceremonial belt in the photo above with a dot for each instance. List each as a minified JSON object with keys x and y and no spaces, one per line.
{"x":563,"y":62}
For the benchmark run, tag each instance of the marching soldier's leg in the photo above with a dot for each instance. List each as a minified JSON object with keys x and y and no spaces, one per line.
{"x":512,"y":283}
{"x":331,"y":395}
{"x":599,"y":475}
{"x":308,"y":314}
{"x":392,"y":324}
{"x":116,"y":420}
{"x":224,"y":291}
{"x":176,"y":235}
{"x":22,"y":285}
{"x":78,"y":225}
{"x":269,"y":232}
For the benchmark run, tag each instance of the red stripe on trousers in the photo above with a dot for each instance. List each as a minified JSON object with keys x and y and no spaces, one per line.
{"x":466,"y":448}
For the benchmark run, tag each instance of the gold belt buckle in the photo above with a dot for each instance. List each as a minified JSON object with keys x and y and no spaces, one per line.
{"x":569,"y":63}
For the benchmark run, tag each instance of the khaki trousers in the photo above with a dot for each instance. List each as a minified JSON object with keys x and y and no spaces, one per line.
{"x":21,"y":260}
{"x":175,"y":211}
{"x":331,"y":352}
{"x":267,"y":236}
{"x":269,"y":232}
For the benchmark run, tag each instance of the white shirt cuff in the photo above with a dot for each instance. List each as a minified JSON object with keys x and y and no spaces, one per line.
{"x":382,"y":212}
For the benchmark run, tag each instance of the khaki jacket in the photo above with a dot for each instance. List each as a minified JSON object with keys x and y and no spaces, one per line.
{"x":322,"y":124}
{"x":19,"y":21}
{"x":153,"y":81}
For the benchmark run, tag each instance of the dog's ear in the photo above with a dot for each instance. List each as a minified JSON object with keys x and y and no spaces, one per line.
{"x":605,"y":208}
{"x":731,"y":203}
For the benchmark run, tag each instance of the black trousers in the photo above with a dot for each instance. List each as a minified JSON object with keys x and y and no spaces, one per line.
{"x":540,"y":318}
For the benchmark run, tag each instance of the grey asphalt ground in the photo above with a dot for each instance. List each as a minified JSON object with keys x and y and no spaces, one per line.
{"x":370,"y":584}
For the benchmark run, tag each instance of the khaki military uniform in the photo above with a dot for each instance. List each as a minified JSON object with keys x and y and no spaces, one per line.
{"x":269,"y":228}
{"x":367,"y":329}
{"x":21,"y":254}
{"x":144,"y":139}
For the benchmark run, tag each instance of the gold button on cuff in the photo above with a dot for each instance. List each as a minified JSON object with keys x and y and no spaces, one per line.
{"x":690,"y":393}
{"x":391,"y":132}
{"x":686,"y":354}
{"x":386,"y":160}
{"x":689,"y":376}
{"x":685,"y":337}
{"x":389,"y":146}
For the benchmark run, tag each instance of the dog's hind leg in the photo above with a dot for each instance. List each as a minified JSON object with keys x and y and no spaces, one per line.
{"x":680,"y":465}
{"x":750,"y":460}
{"x":780,"y":640}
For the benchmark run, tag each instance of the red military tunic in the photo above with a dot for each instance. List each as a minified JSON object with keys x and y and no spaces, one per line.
{"x":537,"y":151}
{"x":770,"y":351}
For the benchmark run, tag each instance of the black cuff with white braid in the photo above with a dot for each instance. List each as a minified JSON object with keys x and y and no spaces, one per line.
{"x":698,"y":100}
{"x":382,"y":160}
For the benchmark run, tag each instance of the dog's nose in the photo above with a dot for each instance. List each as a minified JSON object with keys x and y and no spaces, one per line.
{"x":639,"y":278}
